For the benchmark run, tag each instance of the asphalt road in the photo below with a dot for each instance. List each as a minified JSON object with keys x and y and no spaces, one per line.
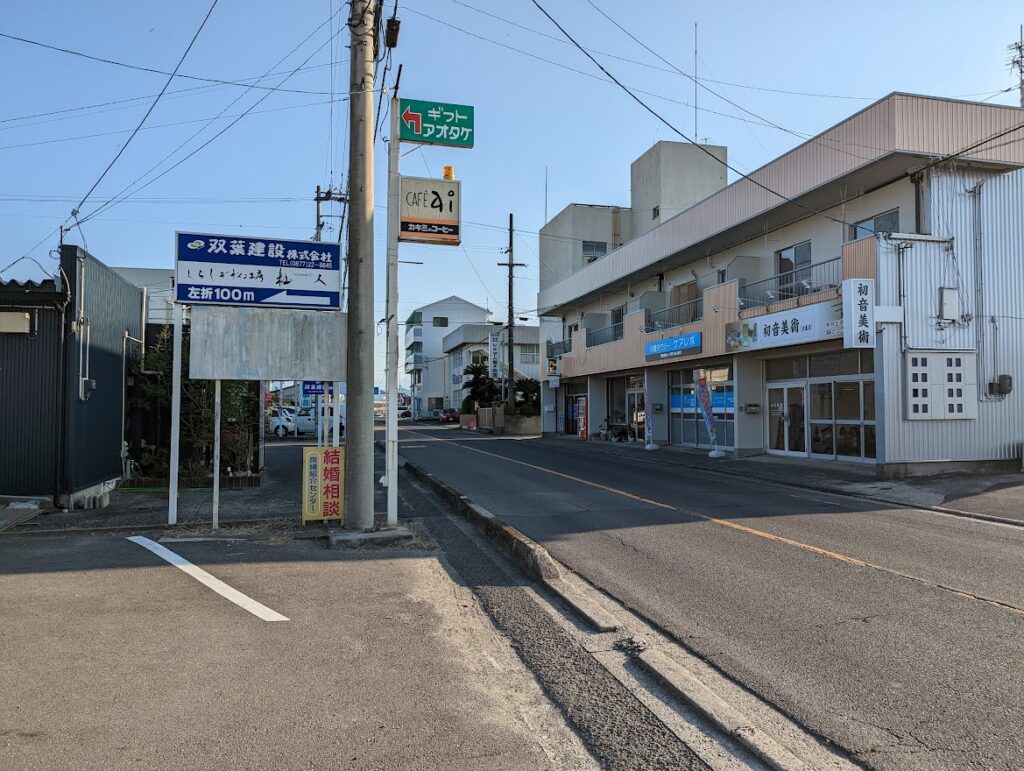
{"x":895,"y":633}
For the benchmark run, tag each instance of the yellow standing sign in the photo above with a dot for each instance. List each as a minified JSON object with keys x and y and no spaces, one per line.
{"x":323,"y":484}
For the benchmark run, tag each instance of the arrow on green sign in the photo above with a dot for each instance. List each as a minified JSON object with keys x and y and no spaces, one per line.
{"x":436,"y":123}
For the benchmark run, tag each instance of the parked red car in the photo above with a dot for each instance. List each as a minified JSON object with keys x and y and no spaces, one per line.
{"x":449,"y":415}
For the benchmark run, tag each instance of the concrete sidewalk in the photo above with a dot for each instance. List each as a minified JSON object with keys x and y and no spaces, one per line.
{"x":988,"y":496}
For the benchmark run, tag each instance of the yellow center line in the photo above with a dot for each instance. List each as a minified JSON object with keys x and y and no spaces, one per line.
{"x":837,"y":556}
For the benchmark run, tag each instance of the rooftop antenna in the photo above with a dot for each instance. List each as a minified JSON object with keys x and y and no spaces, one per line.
{"x":695,"y":137}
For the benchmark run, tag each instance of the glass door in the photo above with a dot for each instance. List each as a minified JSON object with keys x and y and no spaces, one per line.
{"x":635,"y":411}
{"x":787,"y":423}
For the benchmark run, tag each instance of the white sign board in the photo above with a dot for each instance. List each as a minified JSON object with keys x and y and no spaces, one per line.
{"x":494,"y":354}
{"x":266,"y":344}
{"x":859,"y":313}
{"x":821,"y":321}
{"x":215,"y":269}
{"x":430,"y":211}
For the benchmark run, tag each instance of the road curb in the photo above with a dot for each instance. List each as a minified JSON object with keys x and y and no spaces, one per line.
{"x":529,"y":555}
{"x":685,"y":686}
{"x":828,"y":489}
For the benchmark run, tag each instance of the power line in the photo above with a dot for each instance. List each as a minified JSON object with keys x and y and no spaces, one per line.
{"x":153,"y":70}
{"x":130,"y":101}
{"x":657,"y":115}
{"x":697,"y":82}
{"x":74,"y":212}
{"x":122,"y":195}
{"x":100,"y":134}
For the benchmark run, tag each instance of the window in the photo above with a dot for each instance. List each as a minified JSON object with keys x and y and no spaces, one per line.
{"x":655,"y":212}
{"x":888,"y":222}
{"x":594,"y":249}
{"x":721,"y":277}
{"x":529,"y":354}
{"x":440,"y":321}
{"x":618,"y":314}
{"x":570,"y":329}
{"x":792,"y":259}
{"x":435,"y":403}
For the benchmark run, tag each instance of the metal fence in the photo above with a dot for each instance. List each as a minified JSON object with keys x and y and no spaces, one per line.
{"x":559,"y":347}
{"x":811,"y":279}
{"x":677,"y":315}
{"x":604,"y":335}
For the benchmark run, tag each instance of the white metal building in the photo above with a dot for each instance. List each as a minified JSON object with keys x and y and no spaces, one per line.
{"x":425,"y":360}
{"x":915,"y":202}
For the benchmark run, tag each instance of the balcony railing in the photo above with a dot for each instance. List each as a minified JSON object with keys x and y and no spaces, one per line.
{"x":819,"y":277}
{"x":677,"y":315}
{"x":604,"y":335}
{"x":559,"y":347}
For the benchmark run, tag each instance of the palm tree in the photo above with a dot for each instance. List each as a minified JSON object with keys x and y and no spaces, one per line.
{"x":482,"y":389}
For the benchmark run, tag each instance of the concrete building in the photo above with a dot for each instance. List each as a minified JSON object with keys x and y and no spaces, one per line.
{"x":469,"y":343}
{"x":425,"y":360}
{"x":858,"y":298}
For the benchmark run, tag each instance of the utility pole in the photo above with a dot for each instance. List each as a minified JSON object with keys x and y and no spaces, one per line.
{"x":1017,"y":61}
{"x":391,"y":311}
{"x":322,"y":196}
{"x":359,"y":363}
{"x":511,"y":395}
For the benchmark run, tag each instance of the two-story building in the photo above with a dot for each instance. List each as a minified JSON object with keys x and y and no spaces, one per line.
{"x":858,"y":298}
{"x":469,"y":344}
{"x":426,"y":362}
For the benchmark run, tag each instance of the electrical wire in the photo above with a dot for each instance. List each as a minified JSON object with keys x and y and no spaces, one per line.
{"x":697,"y":82}
{"x":123,"y":194}
{"x":150,"y":69}
{"x":100,"y":134}
{"x":130,"y":102}
{"x":74,"y":212}
{"x":662,"y":119}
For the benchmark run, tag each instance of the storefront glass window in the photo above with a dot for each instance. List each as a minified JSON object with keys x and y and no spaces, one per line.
{"x":787,"y":369}
{"x":869,"y":400}
{"x":867,"y":360}
{"x":616,"y":401}
{"x":831,"y":364}
{"x":821,"y":439}
{"x":848,"y":400}
{"x":821,"y":401}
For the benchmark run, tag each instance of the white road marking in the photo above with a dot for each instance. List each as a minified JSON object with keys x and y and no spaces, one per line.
{"x":225,"y":591}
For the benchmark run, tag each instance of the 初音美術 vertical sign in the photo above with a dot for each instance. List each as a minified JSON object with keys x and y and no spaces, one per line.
{"x":859,"y":313}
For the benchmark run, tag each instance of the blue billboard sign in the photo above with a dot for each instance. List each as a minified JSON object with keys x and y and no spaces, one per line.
{"x":316,"y":388}
{"x":256,"y":271}
{"x":672,"y":346}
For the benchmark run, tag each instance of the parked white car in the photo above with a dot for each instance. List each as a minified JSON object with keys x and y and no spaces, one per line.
{"x":282,"y":422}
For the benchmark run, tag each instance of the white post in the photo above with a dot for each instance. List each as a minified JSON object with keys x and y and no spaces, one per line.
{"x":336,"y":415}
{"x":172,"y":483}
{"x":216,"y":454}
{"x":391,"y":314}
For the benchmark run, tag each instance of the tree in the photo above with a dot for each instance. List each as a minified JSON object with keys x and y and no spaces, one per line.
{"x":482,"y":389}
{"x":527,"y":391}
{"x":239,"y":411}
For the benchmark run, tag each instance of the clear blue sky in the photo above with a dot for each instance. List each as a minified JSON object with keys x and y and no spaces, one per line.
{"x":539,"y":104}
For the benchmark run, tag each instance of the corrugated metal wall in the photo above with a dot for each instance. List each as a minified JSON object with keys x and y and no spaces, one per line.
{"x":110,"y":306}
{"x":996,"y":330}
{"x":30,"y":407}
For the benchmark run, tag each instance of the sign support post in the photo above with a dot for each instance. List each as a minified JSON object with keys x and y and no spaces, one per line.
{"x":172,"y":482}
{"x":391,"y":314}
{"x":336,"y":415}
{"x":216,"y":454}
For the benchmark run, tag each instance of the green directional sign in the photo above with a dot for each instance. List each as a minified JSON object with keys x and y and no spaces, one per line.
{"x":436,"y":123}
